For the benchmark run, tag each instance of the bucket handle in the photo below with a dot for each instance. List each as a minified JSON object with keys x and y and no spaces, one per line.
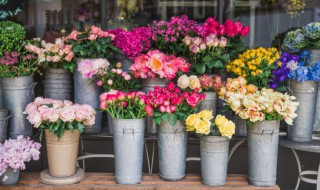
{"x":32,"y":88}
{"x":267,"y":132}
{"x":174,"y":134}
{"x":126,"y":131}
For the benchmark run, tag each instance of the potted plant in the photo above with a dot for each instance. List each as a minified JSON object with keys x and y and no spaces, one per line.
{"x":128,"y":113}
{"x":62,"y":122}
{"x":17,"y":68}
{"x":264,"y":109}
{"x":170,"y":108}
{"x":96,"y":46}
{"x":14,"y":154}
{"x":57,"y":59}
{"x":205,"y":84}
{"x":214,"y":145}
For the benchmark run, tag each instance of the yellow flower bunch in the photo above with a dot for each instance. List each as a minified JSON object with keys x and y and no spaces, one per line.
{"x":225,"y":126}
{"x":200,"y":122}
{"x":255,"y":65}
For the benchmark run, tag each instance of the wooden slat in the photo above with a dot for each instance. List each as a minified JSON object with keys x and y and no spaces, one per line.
{"x":28,"y":181}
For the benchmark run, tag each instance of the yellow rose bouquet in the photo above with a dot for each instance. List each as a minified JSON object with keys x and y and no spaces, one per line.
{"x":255,"y":65}
{"x":201,"y":123}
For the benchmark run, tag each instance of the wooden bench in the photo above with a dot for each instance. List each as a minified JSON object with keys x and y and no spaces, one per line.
{"x":28,"y":181}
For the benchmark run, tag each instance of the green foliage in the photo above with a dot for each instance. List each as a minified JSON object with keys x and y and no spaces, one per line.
{"x":12,"y":37}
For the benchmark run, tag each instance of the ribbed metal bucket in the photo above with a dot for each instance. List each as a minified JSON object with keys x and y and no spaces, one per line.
{"x":306,"y":94}
{"x":315,"y":58}
{"x":17,"y":94}
{"x":209,"y":103}
{"x":1,"y":97}
{"x":87,"y":92}
{"x":124,"y":60}
{"x":4,"y":117}
{"x":12,"y":177}
{"x":62,"y":153}
{"x":172,"y":151}
{"x":263,"y":139}
{"x":214,"y":152}
{"x":128,"y":139}
{"x":58,"y":84}
{"x":241,"y":126}
{"x":148,"y":85}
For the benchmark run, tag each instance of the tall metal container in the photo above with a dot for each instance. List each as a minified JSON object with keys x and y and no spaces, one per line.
{"x":306,"y":94}
{"x":4,"y":117}
{"x":128,"y":150}
{"x":87,"y":92}
{"x":263,"y":139}
{"x":12,"y":177}
{"x":241,"y":126}
{"x":214,"y":152}
{"x":209,"y":103}
{"x":315,"y":58}
{"x":172,"y":150}
{"x":148,"y":85}
{"x":17,"y":94}
{"x":58,"y":84}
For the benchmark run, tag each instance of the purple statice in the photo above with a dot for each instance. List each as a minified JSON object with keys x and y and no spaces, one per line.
{"x":9,"y":58}
{"x":15,"y":152}
{"x":134,"y":42}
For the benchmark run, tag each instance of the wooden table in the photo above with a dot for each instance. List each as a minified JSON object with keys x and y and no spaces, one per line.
{"x":28,"y":181}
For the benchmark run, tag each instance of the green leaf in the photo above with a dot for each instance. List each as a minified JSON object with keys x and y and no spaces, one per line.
{"x":80,"y":127}
{"x":70,"y":126}
{"x":218,"y":64}
{"x":200,"y":68}
{"x":173,"y":119}
{"x":157,"y":120}
{"x":166,"y":116}
{"x":207,"y":58}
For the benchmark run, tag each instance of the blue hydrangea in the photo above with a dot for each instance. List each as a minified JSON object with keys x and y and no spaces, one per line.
{"x":312,"y":30}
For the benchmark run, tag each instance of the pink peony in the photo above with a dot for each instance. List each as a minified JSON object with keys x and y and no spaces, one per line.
{"x":92,"y":37}
{"x":95,"y":30}
{"x":68,"y":114}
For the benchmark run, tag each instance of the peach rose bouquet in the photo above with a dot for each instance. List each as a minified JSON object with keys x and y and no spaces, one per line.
{"x":200,"y":123}
{"x":199,"y":84}
{"x":58,"y":116}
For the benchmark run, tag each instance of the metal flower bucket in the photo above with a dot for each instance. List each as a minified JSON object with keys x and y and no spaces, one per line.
{"x":263,"y":138}
{"x":306,"y":94}
{"x":315,"y":57}
{"x":128,"y":150}
{"x":87,"y":92}
{"x":11,"y":177}
{"x":58,"y":84}
{"x":172,"y":150}
{"x":4,"y":117}
{"x":214,"y":152}
{"x":241,"y":126}
{"x":124,"y":60}
{"x":209,"y":103}
{"x":17,"y":94}
{"x":148,"y":85}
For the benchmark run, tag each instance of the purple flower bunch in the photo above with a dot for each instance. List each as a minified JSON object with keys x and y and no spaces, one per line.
{"x":134,"y":42}
{"x":15,"y":152}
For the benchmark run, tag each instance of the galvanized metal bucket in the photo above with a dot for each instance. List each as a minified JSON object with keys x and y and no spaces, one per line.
{"x":306,"y":94}
{"x":172,"y":151}
{"x":1,"y":97}
{"x":17,"y":94}
{"x":148,"y":85}
{"x":263,"y":139}
{"x":110,"y":124}
{"x":209,"y":103}
{"x":128,"y":139}
{"x":315,"y":58}
{"x":12,"y":177}
{"x":124,"y":60}
{"x":4,"y":117}
{"x":214,"y":152}
{"x":241,"y":126}
{"x":87,"y":92}
{"x":58,"y":84}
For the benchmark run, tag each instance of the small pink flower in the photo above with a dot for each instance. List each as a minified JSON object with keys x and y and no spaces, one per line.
{"x":194,"y":49}
{"x":149,"y":110}
{"x":73,"y":35}
{"x":99,"y":83}
{"x":95,"y":30}
{"x":92,"y":37}
{"x":127,"y":77}
{"x":223,"y":42}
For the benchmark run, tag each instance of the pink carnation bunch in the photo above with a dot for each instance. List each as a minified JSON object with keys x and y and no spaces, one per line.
{"x":91,"y":67}
{"x":9,"y":58}
{"x":198,"y":44}
{"x":15,"y":152}
{"x":94,"y":33}
{"x":157,"y":64}
{"x":45,"y":110}
{"x":171,"y":100}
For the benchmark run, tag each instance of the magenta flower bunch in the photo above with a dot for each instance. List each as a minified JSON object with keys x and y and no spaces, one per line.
{"x":15,"y":152}
{"x":132,"y":43}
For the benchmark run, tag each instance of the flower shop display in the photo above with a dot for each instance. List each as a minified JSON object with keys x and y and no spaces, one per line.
{"x":214,"y":145}
{"x":4,"y":118}
{"x":92,"y":49}
{"x":17,"y":67}
{"x":62,"y":122}
{"x":57,"y":58}
{"x":14,"y":153}
{"x":264,"y":109}
{"x":170,"y":108}
{"x":128,"y":113}
{"x":255,"y":65}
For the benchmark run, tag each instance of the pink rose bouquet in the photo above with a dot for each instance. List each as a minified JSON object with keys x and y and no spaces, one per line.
{"x":15,"y":152}
{"x":90,"y":68}
{"x":123,"y":105}
{"x":157,"y":64}
{"x":92,"y":44}
{"x":170,"y":104}
{"x":57,"y":55}
{"x":199,"y":84}
{"x":58,"y":116}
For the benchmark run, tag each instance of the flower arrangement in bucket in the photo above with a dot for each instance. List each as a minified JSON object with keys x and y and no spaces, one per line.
{"x":128,"y":113}
{"x":62,"y":122}
{"x":214,"y":144}
{"x":255,"y":65}
{"x":14,"y":154}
